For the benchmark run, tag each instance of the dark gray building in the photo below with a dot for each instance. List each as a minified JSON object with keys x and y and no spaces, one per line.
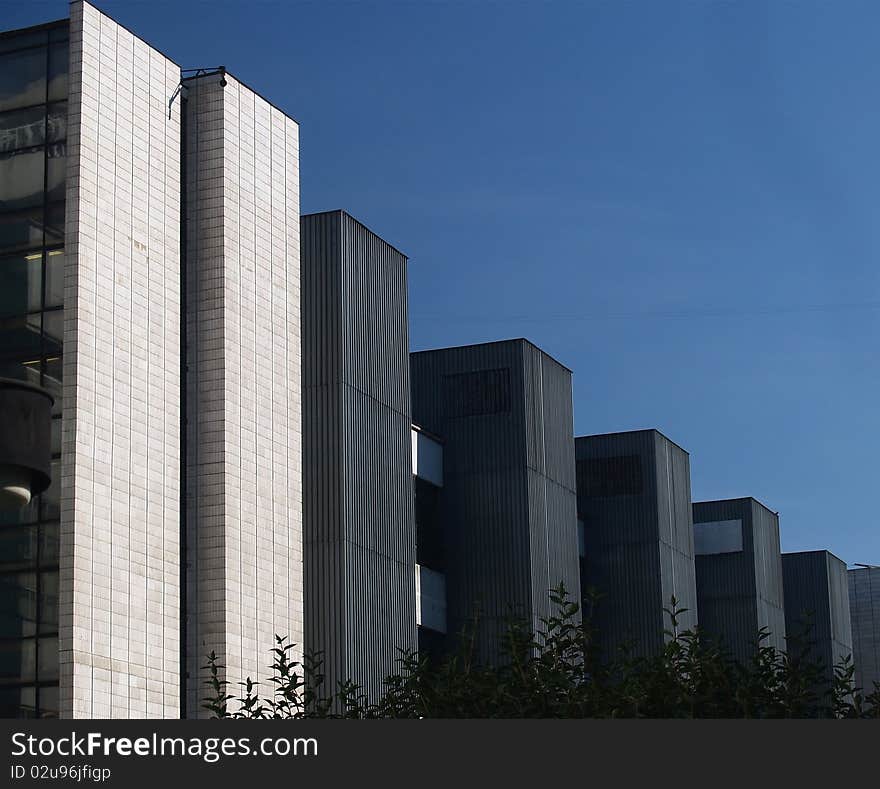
{"x":817,"y":597}
{"x":739,"y":574}
{"x":359,"y":530}
{"x":634,"y":497}
{"x":507,"y":509}
{"x":864,"y":606}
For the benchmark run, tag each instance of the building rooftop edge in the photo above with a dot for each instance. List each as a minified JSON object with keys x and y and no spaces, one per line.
{"x":127,"y":28}
{"x":818,"y":550}
{"x":494,"y":342}
{"x":34,"y":28}
{"x":213,"y":71}
{"x":736,"y":498}
{"x":66,"y":20}
{"x":344,"y":213}
{"x":627,"y":432}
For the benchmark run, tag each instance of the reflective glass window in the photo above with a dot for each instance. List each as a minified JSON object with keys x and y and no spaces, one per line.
{"x":21,"y":338}
{"x":55,"y":440}
{"x":17,"y":702}
{"x":18,"y":660}
{"x":33,"y":165}
{"x":24,"y":40}
{"x":47,"y":659}
{"x":21,"y":369}
{"x":57,"y":122}
{"x":48,"y":602}
{"x":25,"y":128}
{"x":26,"y":514}
{"x":22,"y":176}
{"x":49,"y":542}
{"x":22,"y":230}
{"x":53,"y":332}
{"x":58,"y":69}
{"x":56,"y":171}
{"x":52,"y":382}
{"x":21,"y":277}
{"x":22,"y":78}
{"x":55,"y":223}
{"x":18,"y":547}
{"x":48,"y":701}
{"x":50,"y":498}
{"x":18,"y":605}
{"x":54,"y":278}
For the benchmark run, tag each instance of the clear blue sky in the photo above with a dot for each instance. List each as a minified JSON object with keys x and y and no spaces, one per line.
{"x":677,"y":200}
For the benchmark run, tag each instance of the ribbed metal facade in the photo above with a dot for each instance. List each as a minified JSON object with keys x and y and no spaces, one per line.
{"x":739,"y":592}
{"x":634,"y":496}
{"x":817,"y":594}
{"x":360,"y":544}
{"x":507,"y":506}
{"x":864,"y":606}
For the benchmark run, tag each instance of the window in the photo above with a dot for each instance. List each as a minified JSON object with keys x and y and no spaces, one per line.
{"x":477,"y":393}
{"x":58,"y":68}
{"x":614,"y":476}
{"x":21,"y":338}
{"x":21,"y":230}
{"x":22,"y":78}
{"x":21,"y":179}
{"x":18,"y":605}
{"x":22,"y":129}
{"x":22,"y":284}
{"x":33,"y":167}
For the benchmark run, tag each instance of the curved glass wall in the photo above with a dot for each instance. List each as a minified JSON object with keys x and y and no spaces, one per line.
{"x":33,"y":151}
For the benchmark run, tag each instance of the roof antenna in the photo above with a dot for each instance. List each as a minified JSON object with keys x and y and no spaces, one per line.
{"x":190,"y":73}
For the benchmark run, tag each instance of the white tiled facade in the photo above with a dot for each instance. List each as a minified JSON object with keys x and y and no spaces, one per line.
{"x":244,"y":447}
{"x":181,"y":436}
{"x":119,"y":618}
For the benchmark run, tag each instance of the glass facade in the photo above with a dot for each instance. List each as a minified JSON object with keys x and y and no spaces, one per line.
{"x":33,"y":150}
{"x":430,"y":553}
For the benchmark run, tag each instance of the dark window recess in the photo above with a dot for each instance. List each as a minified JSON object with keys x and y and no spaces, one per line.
{"x":477,"y":393}
{"x":432,"y":645}
{"x":616,"y":476}
{"x":429,"y":531}
{"x":18,"y":702}
{"x":22,"y":230}
{"x":22,"y":278}
{"x":586,"y":604}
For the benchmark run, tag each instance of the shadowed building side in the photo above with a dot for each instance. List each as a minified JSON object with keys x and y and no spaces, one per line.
{"x":817,"y":598}
{"x":507,"y":507}
{"x":739,"y":574}
{"x":634,"y":500}
{"x":864,"y":603}
{"x":360,"y":543}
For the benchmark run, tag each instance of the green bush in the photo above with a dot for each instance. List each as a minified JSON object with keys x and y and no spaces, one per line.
{"x":557,"y":673}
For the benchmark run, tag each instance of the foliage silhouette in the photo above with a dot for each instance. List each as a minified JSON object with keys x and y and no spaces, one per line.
{"x":558,"y":673}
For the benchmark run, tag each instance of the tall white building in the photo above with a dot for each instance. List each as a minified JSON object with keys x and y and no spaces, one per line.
{"x":149,"y":269}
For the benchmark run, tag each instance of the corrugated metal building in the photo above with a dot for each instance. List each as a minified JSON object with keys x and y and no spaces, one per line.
{"x":739,"y":574}
{"x":817,"y":597}
{"x":359,"y":535}
{"x":864,"y":606}
{"x":507,"y":505}
{"x":634,"y":497}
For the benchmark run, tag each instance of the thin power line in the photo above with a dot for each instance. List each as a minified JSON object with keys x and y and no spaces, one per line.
{"x":679,"y":314}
